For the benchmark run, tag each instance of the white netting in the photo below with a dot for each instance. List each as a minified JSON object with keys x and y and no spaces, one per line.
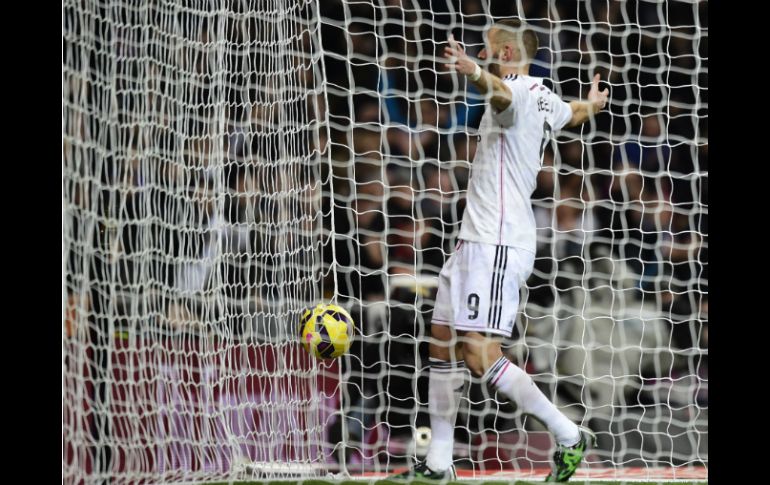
{"x":228,"y":163}
{"x":614,"y":319}
{"x":192,"y":228}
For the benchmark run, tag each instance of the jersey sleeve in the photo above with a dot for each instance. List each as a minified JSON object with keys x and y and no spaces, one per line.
{"x":507,"y":117}
{"x":562,"y":113}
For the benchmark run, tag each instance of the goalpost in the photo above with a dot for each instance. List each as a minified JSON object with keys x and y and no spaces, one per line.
{"x":229,"y":163}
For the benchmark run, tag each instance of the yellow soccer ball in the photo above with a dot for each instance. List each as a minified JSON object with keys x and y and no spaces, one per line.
{"x":327,"y":331}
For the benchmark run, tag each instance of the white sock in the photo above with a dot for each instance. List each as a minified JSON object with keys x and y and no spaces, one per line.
{"x":445,"y":387}
{"x":513,"y":382}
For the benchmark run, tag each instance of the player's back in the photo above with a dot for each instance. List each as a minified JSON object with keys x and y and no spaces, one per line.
{"x":508,"y":158}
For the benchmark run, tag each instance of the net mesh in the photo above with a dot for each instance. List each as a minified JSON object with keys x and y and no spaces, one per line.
{"x":227,"y":164}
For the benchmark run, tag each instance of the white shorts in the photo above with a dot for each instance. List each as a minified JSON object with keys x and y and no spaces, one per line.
{"x":478,"y":287}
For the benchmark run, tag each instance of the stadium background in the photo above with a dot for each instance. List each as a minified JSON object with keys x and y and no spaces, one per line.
{"x":395,"y":156}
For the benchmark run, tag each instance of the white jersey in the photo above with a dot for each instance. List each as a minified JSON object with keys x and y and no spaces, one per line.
{"x":508,"y":158}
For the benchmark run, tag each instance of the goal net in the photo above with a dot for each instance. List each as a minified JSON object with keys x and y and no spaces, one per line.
{"x":192,"y":240}
{"x":227,"y":164}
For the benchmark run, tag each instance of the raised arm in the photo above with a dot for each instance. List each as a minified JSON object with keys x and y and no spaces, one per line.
{"x":483,"y":80}
{"x":582,"y":111}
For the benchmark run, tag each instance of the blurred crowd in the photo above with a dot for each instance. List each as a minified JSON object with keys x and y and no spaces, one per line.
{"x":202,"y":178}
{"x":621,"y":204}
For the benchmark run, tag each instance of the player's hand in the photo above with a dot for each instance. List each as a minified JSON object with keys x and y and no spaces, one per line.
{"x":458,"y":59}
{"x":596,"y":97}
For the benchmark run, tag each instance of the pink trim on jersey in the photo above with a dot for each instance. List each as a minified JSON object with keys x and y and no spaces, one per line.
{"x":502,"y":204}
{"x":533,"y":87}
{"x":500,"y":374}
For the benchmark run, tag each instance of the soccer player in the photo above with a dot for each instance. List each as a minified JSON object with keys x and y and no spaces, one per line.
{"x":478,"y":293}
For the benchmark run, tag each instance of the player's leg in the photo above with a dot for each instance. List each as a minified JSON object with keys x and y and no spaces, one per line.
{"x":485,"y":359}
{"x":446,"y":385}
{"x":447,"y":377}
{"x":462,"y":304}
